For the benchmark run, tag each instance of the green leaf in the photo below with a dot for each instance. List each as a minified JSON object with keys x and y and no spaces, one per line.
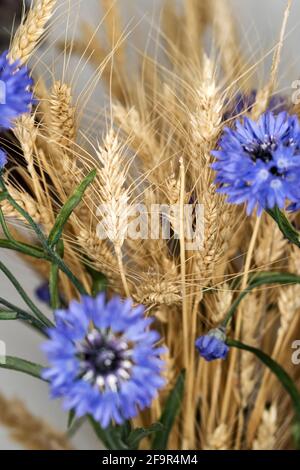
{"x":21,"y":365}
{"x":282,"y":376}
{"x":285,"y":226}
{"x":68,"y":208}
{"x":138,"y":434}
{"x":169,"y":414}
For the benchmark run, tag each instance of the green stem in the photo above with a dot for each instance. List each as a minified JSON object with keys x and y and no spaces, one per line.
{"x":257,"y":281}
{"x":55,"y":258}
{"x":4,"y":226}
{"x":109,"y":437}
{"x":54,"y":278}
{"x":21,"y":365}
{"x":44,"y":242}
{"x":15,"y":244}
{"x":282,"y":376}
{"x":285,"y":226}
{"x":24,"y":296}
{"x":11,"y":306}
{"x":26,"y":318}
{"x":53,"y":287}
{"x":60,"y":263}
{"x":24,"y":249}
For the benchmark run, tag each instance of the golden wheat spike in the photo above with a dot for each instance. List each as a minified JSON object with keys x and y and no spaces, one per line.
{"x":31,"y":30}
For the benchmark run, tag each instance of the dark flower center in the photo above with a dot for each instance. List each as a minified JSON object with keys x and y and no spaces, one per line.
{"x":261,"y":151}
{"x":103,"y":361}
{"x":274,"y":171}
{"x":264,"y":152}
{"x":103,"y":355}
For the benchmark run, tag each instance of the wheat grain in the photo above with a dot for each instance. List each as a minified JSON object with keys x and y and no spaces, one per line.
{"x":99,"y":253}
{"x":26,"y":133}
{"x":266,"y":435}
{"x":63,"y":122}
{"x":158,"y":291}
{"x":38,"y":213}
{"x":114,"y":199}
{"x":221,"y":303}
{"x":205,"y":121}
{"x":141,"y":135}
{"x":219,"y":439}
{"x":271,"y":244}
{"x":31,"y":30}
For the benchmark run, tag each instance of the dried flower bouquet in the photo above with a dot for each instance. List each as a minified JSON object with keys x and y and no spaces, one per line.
{"x":142,"y":320}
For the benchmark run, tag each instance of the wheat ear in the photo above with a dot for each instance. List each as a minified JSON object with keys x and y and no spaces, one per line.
{"x":266,"y":434}
{"x":31,"y":30}
{"x":63,"y":121}
{"x":31,"y":432}
{"x":114,"y":196}
{"x":219,"y":439}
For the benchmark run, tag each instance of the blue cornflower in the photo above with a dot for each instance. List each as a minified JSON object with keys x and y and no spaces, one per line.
{"x":212,"y":346}
{"x":43,"y":293}
{"x":15,"y":95}
{"x":103,"y":358}
{"x":259,"y":162}
{"x":3,"y":159}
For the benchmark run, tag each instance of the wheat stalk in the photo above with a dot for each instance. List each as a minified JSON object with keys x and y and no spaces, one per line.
{"x":227,"y":39}
{"x":112,"y":21}
{"x":264,"y":95}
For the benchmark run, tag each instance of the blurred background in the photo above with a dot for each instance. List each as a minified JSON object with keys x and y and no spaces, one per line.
{"x":259,"y":23}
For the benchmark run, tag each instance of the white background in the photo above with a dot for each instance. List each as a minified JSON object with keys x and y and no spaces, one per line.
{"x":259,"y":20}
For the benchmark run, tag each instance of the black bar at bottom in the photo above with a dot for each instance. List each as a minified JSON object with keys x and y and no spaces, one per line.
{"x":132,"y":459}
